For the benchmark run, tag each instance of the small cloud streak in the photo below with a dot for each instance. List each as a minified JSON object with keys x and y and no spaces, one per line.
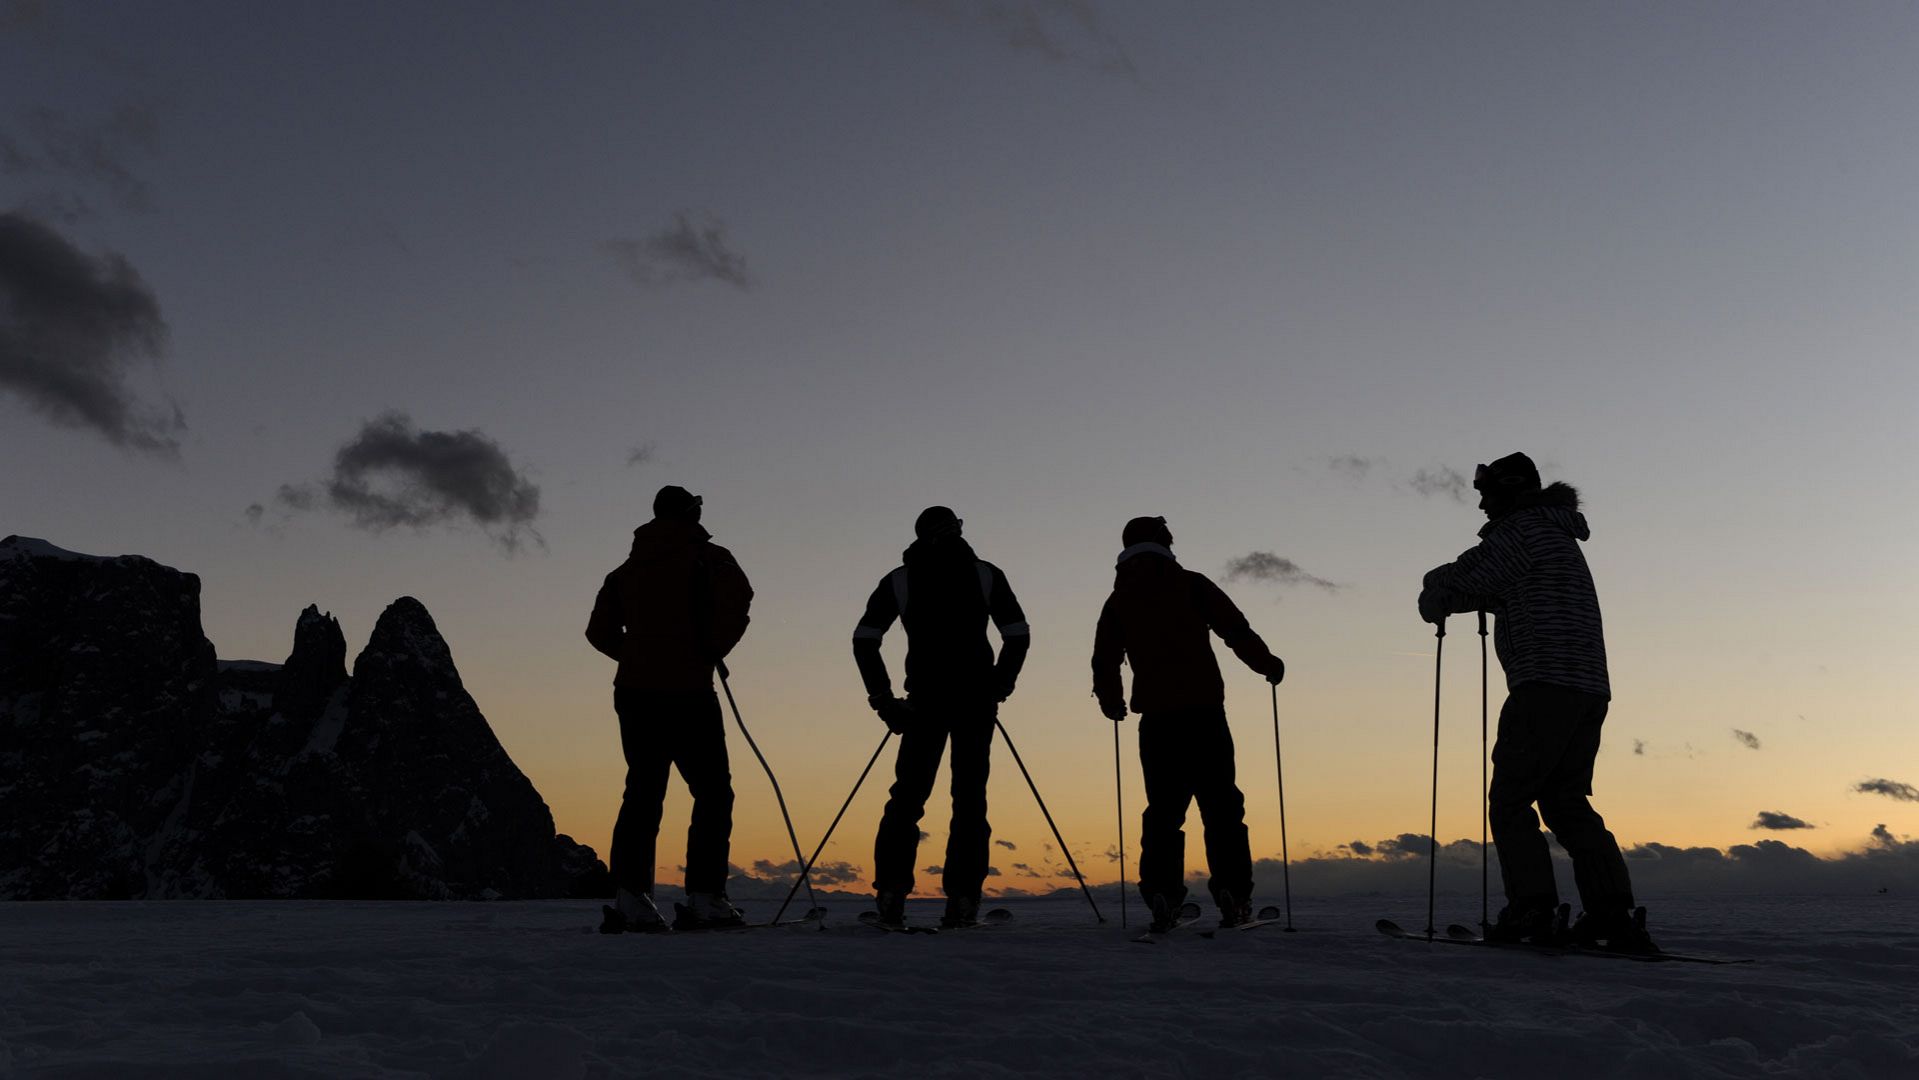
{"x":71,"y":327}
{"x":1007,"y":844}
{"x":1639,"y":747}
{"x":1059,"y":31}
{"x":1441,"y":481}
{"x":1264,"y":566}
{"x":1891,"y":789}
{"x":683,"y":251}
{"x":1352,"y":466}
{"x":640,"y":455}
{"x":1746,"y":739}
{"x":1774,"y":820}
{"x":392,"y":474}
{"x":90,"y":153}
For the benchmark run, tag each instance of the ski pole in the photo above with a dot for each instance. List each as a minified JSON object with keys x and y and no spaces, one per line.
{"x":808,"y":868}
{"x":1485,"y":793}
{"x":1432,"y":835}
{"x":1119,"y":801}
{"x":778,"y":795}
{"x":1285,"y":859}
{"x":1049,"y":819}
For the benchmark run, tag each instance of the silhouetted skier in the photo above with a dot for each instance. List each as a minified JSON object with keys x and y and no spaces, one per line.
{"x":669,"y":614}
{"x":1160,"y":619}
{"x":943,"y":595}
{"x":1529,"y":572}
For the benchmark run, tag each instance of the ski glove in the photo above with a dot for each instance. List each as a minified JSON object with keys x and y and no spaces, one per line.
{"x":1113,"y":710}
{"x":895,"y":712}
{"x":1433,"y":607}
{"x":1276,"y":672}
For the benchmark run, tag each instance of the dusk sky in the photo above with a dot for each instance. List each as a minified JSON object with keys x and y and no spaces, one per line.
{"x":1280,"y":272}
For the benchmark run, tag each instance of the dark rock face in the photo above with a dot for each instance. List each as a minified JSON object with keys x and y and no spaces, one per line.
{"x":132,"y":765}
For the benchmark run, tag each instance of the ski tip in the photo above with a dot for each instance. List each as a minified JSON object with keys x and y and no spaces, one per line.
{"x":1387,"y":926}
{"x":1268,"y":913}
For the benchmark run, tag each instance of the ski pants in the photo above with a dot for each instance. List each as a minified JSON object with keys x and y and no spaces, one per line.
{"x":1548,"y":737}
{"x":1187,"y":754}
{"x":660,"y":729}
{"x":969,"y":724}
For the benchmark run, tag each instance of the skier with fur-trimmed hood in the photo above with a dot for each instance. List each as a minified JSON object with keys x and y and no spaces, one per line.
{"x":943,"y":594}
{"x":1160,"y":620}
{"x":669,"y":614}
{"x":1529,"y":573}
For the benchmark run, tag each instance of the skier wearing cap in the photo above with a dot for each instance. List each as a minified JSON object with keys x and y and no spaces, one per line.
{"x":943,"y":595}
{"x":1160,"y":619}
{"x":1529,"y":572}
{"x":669,"y":614}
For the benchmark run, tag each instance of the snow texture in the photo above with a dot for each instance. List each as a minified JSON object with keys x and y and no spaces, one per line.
{"x":310,"y":989}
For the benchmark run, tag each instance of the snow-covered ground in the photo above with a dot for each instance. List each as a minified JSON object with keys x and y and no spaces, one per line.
{"x":500,"y":989}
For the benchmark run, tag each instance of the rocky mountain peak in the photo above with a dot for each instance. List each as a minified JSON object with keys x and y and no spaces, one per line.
{"x":315,"y":668}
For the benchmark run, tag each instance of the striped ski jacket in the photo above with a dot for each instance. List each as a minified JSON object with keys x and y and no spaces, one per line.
{"x":1529,"y":572}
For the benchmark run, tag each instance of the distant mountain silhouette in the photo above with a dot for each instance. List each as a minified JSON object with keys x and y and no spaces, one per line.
{"x":133,"y":765}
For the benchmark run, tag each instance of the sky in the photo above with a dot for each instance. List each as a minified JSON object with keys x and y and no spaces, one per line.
{"x":337,"y":303}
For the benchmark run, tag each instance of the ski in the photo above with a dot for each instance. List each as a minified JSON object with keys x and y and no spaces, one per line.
{"x":998,"y":916}
{"x":1188,"y":915}
{"x":1266,"y":916}
{"x":872,"y":919}
{"x":1453,"y":936}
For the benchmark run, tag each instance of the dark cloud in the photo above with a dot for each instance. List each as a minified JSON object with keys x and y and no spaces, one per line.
{"x":925,"y":836}
{"x":71,"y":328}
{"x":1441,"y":481}
{"x":1359,"y":847}
{"x":254,"y":513}
{"x":1772,"y":819}
{"x":639,"y":455}
{"x":98,"y":154}
{"x":1639,"y":747}
{"x":1264,"y":566}
{"x":933,"y":869}
{"x":824,"y":873}
{"x":1352,"y":466}
{"x":1891,"y":789}
{"x":992,"y":871}
{"x":391,"y":474}
{"x":1882,"y":837}
{"x":1007,"y":844}
{"x":1059,"y":31}
{"x":1746,"y":739}
{"x":683,"y":251}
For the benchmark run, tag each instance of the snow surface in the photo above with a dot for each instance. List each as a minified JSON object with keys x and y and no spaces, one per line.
{"x":308,"y":989}
{"x":27,"y":547}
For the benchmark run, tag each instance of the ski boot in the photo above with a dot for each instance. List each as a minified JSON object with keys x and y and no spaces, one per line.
{"x":961,"y":912}
{"x":891,"y":905}
{"x":1233,"y":911}
{"x":1615,"y":930}
{"x":1529,"y":924}
{"x":1165,"y":912}
{"x":631,"y":913}
{"x":706,"y":911}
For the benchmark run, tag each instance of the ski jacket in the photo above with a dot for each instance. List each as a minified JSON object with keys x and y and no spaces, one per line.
{"x":675,"y":607}
{"x":943,"y":594}
{"x":1160,"y":619}
{"x":1530,"y":573}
